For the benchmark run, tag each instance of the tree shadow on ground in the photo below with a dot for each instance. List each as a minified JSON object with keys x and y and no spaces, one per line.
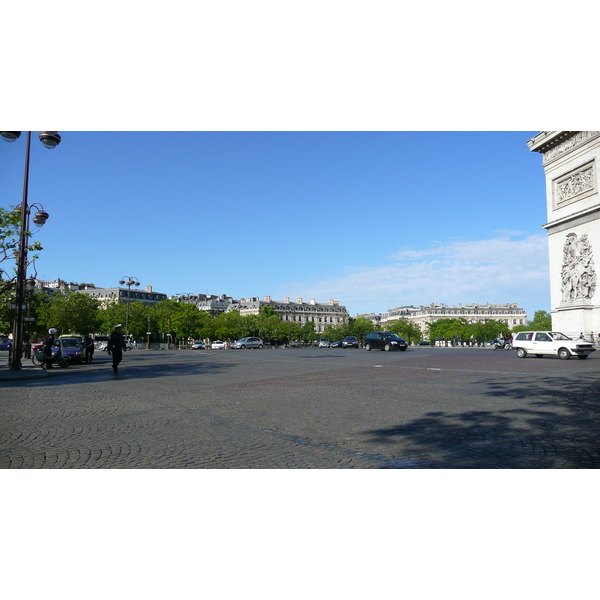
{"x":101,"y":372}
{"x":557,"y":426}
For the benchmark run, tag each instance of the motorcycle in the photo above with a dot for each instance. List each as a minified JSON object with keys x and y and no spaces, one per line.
{"x":39,"y":360}
{"x":501,"y":344}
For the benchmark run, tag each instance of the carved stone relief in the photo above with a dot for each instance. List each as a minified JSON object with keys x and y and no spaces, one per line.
{"x":578,"y":275}
{"x":576,"y":140}
{"x":572,"y":186}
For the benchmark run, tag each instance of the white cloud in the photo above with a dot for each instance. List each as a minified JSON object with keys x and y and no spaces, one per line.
{"x":498,"y":270}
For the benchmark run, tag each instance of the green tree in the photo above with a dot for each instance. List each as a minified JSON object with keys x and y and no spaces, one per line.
{"x":269,"y":326}
{"x":267,"y":311}
{"x":542,"y":321}
{"x":189,"y":322}
{"x":110,"y":316}
{"x":70,"y":312}
{"x":229,"y":326}
{"x":446,"y":328}
{"x":336,"y":333}
{"x":10,"y":233}
{"x":117,"y":313}
{"x":359,"y":327}
{"x":161,"y":315}
{"x":36,"y":301}
{"x":6,"y":317}
{"x":411,"y":332}
{"x":308,"y":333}
{"x":490,"y":330}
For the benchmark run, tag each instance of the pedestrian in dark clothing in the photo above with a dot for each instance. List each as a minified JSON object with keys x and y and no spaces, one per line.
{"x":115,"y":347}
{"x":88,"y":344}
{"x":48,"y":343}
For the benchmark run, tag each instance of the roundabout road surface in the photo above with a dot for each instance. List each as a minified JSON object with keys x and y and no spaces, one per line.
{"x":307,"y":408}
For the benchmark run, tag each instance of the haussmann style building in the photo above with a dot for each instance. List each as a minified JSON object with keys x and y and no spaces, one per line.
{"x":423,"y":316}
{"x":322,"y":315}
{"x":108,"y":296}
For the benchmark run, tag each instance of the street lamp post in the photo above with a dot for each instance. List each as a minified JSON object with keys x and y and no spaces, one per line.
{"x":29,"y":287}
{"x":50,"y":139}
{"x":128,"y":281}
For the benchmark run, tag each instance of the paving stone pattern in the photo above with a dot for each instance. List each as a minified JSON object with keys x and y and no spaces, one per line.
{"x":312,"y":408}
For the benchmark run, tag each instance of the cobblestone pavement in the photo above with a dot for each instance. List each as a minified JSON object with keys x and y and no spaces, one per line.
{"x":307,"y":408}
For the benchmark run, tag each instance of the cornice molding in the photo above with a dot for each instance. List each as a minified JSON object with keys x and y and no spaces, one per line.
{"x":555,"y":144}
{"x":546,"y":140}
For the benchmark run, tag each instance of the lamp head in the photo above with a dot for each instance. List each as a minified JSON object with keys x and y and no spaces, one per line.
{"x":40,"y":218}
{"x":50,"y":139}
{"x":10,"y":136}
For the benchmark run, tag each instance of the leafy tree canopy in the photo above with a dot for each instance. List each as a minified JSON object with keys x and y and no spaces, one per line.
{"x":411,"y":332}
{"x":70,"y":312}
{"x":10,"y":230}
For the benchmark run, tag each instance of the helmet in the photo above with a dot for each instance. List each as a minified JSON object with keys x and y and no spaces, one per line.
{"x":52,"y":331}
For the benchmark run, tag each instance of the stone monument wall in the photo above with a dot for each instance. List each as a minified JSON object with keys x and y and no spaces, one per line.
{"x":571,"y":160}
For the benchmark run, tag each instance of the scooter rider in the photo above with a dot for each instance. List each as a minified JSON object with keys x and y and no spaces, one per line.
{"x":48,"y":343}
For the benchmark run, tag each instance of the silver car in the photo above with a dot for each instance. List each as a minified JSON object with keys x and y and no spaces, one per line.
{"x":248,"y":342}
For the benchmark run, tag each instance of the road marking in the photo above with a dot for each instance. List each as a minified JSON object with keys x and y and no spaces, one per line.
{"x":510,"y":373}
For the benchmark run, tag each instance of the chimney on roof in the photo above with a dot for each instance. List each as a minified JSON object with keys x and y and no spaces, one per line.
{"x":267,"y":298}
{"x":299,"y":300}
{"x":148,"y":288}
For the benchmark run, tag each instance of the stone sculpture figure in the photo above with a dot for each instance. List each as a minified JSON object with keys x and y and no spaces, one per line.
{"x":578,"y":275}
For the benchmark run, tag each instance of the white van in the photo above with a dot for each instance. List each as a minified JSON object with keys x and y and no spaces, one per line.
{"x":539,"y":343}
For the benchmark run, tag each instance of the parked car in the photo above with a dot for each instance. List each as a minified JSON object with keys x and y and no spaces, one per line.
{"x":337,"y":344}
{"x":423,"y":343}
{"x":295,"y":344}
{"x":5,"y":344}
{"x":59,"y":355}
{"x":350,"y":342}
{"x":248,"y":342}
{"x":72,"y":347}
{"x":198,"y":346}
{"x":323,"y":343}
{"x":217,"y":345}
{"x":555,"y":343}
{"x":384,"y":340}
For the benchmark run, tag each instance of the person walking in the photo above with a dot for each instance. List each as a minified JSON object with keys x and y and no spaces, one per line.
{"x":88,"y":344}
{"x":48,"y":343}
{"x":115,"y":347}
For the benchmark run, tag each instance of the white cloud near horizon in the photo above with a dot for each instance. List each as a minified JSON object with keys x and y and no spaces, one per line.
{"x":497,"y":270}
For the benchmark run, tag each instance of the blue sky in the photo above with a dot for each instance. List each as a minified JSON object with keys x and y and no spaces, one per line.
{"x":372,"y":219}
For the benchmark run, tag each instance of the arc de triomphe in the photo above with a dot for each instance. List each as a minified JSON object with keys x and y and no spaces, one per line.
{"x":570,"y":160}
